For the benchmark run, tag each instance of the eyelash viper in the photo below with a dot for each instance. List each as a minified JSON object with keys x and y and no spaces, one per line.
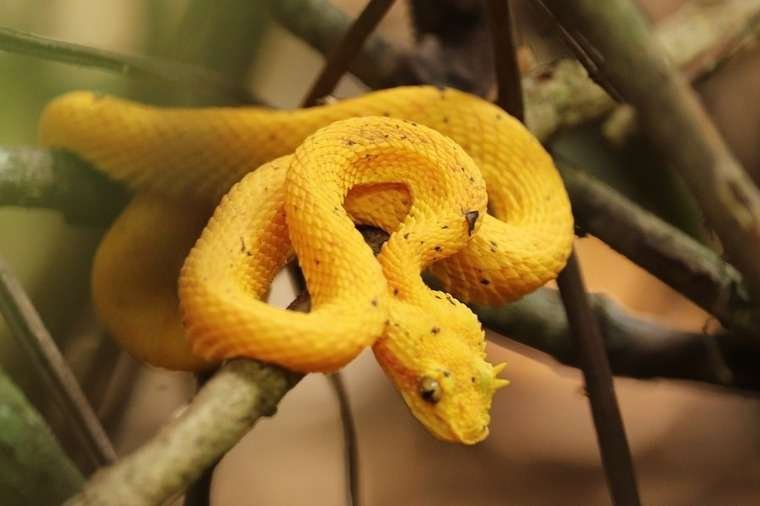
{"x":182,"y":161}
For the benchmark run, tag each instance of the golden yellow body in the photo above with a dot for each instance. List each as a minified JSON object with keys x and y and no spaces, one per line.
{"x":403,"y":176}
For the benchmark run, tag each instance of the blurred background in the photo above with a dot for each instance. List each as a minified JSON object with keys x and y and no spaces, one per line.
{"x":692,"y":444}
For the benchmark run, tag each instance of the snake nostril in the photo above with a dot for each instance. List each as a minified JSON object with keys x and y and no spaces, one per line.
{"x":471,"y":217}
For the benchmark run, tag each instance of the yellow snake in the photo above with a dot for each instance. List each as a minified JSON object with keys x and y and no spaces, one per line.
{"x":384,"y":159}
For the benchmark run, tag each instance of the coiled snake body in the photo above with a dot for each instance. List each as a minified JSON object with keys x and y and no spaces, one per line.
{"x":385,"y":159}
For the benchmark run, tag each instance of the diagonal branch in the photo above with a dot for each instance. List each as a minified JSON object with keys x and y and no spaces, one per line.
{"x":27,"y":327}
{"x":346,"y":49}
{"x":187,"y":76}
{"x":616,"y":37}
{"x":662,"y":249}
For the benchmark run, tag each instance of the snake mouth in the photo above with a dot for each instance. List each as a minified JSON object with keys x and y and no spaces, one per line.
{"x":471,"y":217}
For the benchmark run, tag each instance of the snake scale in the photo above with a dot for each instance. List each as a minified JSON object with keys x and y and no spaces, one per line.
{"x":466,"y":192}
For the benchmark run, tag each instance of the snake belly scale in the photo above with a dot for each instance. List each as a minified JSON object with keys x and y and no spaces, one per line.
{"x":385,"y":159}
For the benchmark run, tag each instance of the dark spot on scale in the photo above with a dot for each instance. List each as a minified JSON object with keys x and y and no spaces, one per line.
{"x":438,"y":297}
{"x":446,"y":374}
{"x":395,"y":291}
{"x":438,"y":248}
{"x":316,"y":261}
{"x":374,"y":302}
{"x":349,"y":142}
{"x":472,"y":218}
{"x":406,"y":236}
{"x":444,"y":227}
{"x":493,"y":243}
{"x":472,"y":179}
{"x":445,"y":119}
{"x":484,"y":281}
{"x":472,"y":379}
{"x":403,"y":137}
{"x":386,"y":114}
{"x":435,"y":330}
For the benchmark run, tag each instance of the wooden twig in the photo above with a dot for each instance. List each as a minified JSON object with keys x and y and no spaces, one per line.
{"x":617,"y":37}
{"x":55,"y":179}
{"x":509,"y":94}
{"x":350,"y":443}
{"x":27,"y":327}
{"x":663,"y":250}
{"x":223,"y":411}
{"x":636,"y":347}
{"x":613,"y":445}
{"x":346,"y":49}
{"x":189,"y":77}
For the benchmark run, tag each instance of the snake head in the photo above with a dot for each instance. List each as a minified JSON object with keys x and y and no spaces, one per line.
{"x":454,"y":400}
{"x":447,"y":383}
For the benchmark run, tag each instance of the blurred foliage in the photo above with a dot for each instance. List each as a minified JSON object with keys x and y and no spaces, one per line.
{"x":52,"y":258}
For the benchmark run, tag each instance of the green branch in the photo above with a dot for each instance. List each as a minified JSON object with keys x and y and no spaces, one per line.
{"x":184,"y":76}
{"x":55,"y":179}
{"x":33,"y":467}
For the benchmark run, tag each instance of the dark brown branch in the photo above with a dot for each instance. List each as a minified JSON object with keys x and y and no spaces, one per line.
{"x":636,"y":347}
{"x":350,"y":441}
{"x":613,"y":445}
{"x":509,"y":94}
{"x":616,"y":36}
{"x":344,"y":52}
{"x":663,"y":250}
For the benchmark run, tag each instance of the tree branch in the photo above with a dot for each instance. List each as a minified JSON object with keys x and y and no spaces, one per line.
{"x":665,"y":251}
{"x":636,"y":347}
{"x":189,"y":77}
{"x":27,"y":327}
{"x":616,"y":38}
{"x":558,"y":97}
{"x":33,"y":467}
{"x":223,"y":411}
{"x":56,"y":179}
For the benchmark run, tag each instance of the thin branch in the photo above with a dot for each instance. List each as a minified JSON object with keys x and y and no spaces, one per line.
{"x":636,"y":347}
{"x":508,"y":84}
{"x":559,"y":96}
{"x":665,"y":251}
{"x":56,"y":179}
{"x":223,"y":411}
{"x":613,"y":445}
{"x":189,"y":77}
{"x":346,"y":49}
{"x":618,"y":39}
{"x":33,"y":467}
{"x":350,"y":441}
{"x":27,"y":327}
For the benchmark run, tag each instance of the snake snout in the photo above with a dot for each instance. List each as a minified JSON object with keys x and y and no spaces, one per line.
{"x":472,"y":218}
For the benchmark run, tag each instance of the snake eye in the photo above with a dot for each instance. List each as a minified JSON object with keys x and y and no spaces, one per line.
{"x":430,"y":390}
